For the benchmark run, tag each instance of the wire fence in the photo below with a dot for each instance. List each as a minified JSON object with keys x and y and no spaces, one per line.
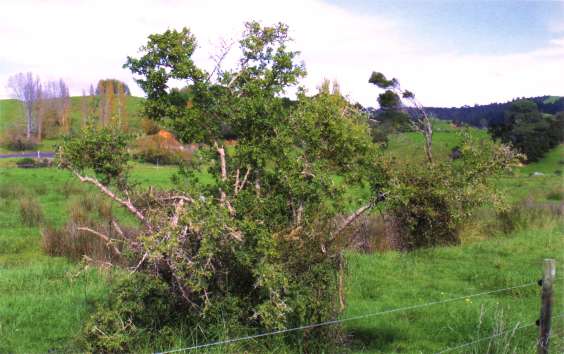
{"x":359,"y":317}
{"x":468,"y":344}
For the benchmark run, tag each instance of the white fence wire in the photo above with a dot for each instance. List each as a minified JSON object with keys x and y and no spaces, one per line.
{"x":352,"y":318}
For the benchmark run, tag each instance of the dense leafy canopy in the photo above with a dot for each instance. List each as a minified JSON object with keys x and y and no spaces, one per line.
{"x":529,"y":130}
{"x":259,"y":244}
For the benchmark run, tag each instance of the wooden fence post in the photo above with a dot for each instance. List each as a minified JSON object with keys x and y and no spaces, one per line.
{"x":546,"y":305}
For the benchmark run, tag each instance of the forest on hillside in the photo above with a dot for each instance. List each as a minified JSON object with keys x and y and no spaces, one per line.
{"x":489,"y":114}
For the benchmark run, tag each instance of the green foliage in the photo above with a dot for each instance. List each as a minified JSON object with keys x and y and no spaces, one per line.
{"x":529,"y":131}
{"x":138,"y":309}
{"x":257,"y":244}
{"x":430,"y":203}
{"x":378,"y":79}
{"x":28,"y":162}
{"x":101,"y":149}
{"x":389,"y":101}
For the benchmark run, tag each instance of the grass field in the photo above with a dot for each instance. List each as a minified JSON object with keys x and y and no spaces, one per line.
{"x":44,"y":300}
{"x":393,"y":280}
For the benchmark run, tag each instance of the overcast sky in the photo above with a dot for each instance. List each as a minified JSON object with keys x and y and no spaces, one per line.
{"x":450,"y":53}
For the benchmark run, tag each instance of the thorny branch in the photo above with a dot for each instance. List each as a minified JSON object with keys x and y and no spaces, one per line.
{"x":125,"y":203}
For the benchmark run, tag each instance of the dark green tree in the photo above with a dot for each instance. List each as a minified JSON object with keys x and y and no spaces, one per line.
{"x":528,"y":130}
{"x":259,"y":245}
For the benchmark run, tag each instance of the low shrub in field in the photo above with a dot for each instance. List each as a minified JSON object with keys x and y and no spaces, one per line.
{"x":28,"y":162}
{"x":528,"y":213}
{"x":75,"y":243}
{"x":555,"y":194}
{"x":70,"y":187}
{"x":149,"y":126}
{"x":374,"y":232}
{"x":427,"y":216}
{"x":31,"y":212}
{"x":160,"y":149}
{"x":430,"y":203}
{"x":11,"y":191}
{"x":15,"y":140}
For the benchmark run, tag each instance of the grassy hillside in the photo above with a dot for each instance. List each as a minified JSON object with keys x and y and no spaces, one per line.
{"x":12,"y":115}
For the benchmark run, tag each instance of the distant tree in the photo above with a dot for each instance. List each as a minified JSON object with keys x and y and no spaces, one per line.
{"x":115,"y":84}
{"x":63,"y":106}
{"x":389,"y":101}
{"x":27,"y":89}
{"x":412,"y":113}
{"x":55,"y":108}
{"x":557,"y":127}
{"x":528,"y":130}
{"x":111,"y":101}
{"x":121,"y":100}
{"x":84,"y":111}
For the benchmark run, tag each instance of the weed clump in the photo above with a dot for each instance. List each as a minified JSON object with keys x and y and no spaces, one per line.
{"x":526,"y":214}
{"x":81,"y":236}
{"x":31,"y":213}
{"x":555,"y":194}
{"x":11,"y":191}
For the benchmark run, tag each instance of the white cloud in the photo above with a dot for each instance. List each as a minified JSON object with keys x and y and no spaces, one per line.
{"x":83,"y":41}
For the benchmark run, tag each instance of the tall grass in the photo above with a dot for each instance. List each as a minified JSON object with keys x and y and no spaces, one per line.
{"x":31,"y":213}
{"x":74,"y":242}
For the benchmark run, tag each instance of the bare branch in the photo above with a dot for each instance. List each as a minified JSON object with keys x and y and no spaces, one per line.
{"x":243,"y":182}
{"x":223,"y":196}
{"x":353,"y":217}
{"x":300,"y":213}
{"x":103,"y":237}
{"x":178,"y":197}
{"x":257,"y":187}
{"x":118,"y":228}
{"x":218,"y":59}
{"x":178,"y":210}
{"x":237,"y":181}
{"x":232,"y":211}
{"x":125,"y":203}
{"x":140,"y":262}
{"x":221,"y":153}
{"x":363,"y":209}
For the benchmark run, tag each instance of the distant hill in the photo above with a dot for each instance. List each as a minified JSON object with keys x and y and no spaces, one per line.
{"x":485,"y":115}
{"x":11,"y":113}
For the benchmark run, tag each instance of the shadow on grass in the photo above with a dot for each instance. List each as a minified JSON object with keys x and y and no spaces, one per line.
{"x":373,"y":338}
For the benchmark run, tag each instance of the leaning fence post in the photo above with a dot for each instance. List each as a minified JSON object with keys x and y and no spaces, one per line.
{"x":546,"y":305}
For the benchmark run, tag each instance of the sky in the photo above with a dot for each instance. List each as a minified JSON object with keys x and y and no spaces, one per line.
{"x":449,"y":53}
